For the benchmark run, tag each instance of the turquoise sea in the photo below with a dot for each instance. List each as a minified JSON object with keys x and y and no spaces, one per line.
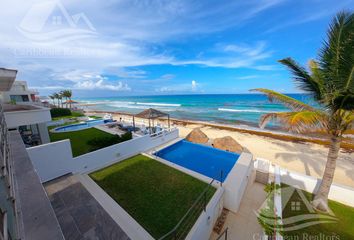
{"x":218,"y":108}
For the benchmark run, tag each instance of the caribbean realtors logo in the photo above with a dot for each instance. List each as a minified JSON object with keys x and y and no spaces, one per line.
{"x":296,"y":212}
{"x":50,"y":21}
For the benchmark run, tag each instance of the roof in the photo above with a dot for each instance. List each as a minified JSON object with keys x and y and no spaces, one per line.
{"x":71,"y":101}
{"x":151,"y":114}
{"x":7,"y":78}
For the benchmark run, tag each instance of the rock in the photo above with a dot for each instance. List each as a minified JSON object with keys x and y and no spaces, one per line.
{"x":197,"y":136}
{"x":228,"y":144}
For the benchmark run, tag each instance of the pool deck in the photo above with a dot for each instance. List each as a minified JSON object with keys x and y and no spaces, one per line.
{"x":79,"y":214}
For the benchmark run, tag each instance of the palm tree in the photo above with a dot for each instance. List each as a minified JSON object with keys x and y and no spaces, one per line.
{"x":330,"y":80}
{"x":53,"y":98}
{"x":67,"y":94}
{"x":60,"y":97}
{"x":56,"y":96}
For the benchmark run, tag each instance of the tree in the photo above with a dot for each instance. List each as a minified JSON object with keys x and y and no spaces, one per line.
{"x":52,"y":97}
{"x":60,"y":97}
{"x":56,"y":96}
{"x":67,"y":94}
{"x":330,"y":80}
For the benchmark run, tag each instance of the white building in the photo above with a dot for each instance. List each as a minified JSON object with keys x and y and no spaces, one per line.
{"x":19,"y":109}
{"x":19,"y":92}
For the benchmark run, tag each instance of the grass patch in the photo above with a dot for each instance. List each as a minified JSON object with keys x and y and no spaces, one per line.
{"x":95,"y":117}
{"x":155,"y":195}
{"x":73,"y":115}
{"x":79,"y":139}
{"x":343,"y":229}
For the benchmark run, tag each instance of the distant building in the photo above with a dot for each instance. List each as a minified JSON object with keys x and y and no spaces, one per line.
{"x":22,"y":111}
{"x":19,"y":93}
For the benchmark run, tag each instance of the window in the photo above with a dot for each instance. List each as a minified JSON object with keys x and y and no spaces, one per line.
{"x":19,"y":98}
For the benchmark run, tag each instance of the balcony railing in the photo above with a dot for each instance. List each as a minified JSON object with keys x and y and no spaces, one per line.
{"x":7,"y":182}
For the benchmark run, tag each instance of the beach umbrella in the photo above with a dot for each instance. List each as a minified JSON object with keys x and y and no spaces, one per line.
{"x":151,"y":114}
{"x":70,"y":101}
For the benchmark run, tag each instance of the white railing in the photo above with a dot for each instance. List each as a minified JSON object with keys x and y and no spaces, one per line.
{"x":7,"y":178}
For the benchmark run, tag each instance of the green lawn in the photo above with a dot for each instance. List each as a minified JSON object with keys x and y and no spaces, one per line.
{"x":73,"y":115}
{"x":155,"y":195}
{"x":78,"y":139}
{"x":342,"y":229}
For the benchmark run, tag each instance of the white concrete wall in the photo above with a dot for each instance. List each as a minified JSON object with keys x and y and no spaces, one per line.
{"x":204,"y":225}
{"x":27,"y":117}
{"x":52,"y":160}
{"x":339,"y":193}
{"x":106,"y":156}
{"x":55,"y":159}
{"x":236,"y":182}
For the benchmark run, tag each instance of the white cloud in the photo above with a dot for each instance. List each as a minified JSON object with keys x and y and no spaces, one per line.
{"x":101,"y":85}
{"x":194,"y":85}
{"x":127,"y":35}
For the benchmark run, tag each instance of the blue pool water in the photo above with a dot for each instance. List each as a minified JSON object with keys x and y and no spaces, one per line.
{"x":80,"y":126}
{"x":202,"y":159}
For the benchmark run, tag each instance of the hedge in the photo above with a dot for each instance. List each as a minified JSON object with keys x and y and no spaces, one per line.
{"x":59,"y":112}
{"x":102,"y":142}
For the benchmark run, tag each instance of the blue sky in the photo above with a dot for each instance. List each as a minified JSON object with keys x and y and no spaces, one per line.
{"x":121,"y":47}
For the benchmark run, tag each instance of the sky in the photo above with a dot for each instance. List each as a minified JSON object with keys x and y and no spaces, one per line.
{"x":154,"y":47}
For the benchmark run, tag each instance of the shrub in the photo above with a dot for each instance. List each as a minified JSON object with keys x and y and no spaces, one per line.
{"x":102,"y":142}
{"x":126,"y":136}
{"x":59,"y":112}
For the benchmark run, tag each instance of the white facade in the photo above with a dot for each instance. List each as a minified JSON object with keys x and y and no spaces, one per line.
{"x":55,"y":159}
{"x":21,"y":113}
{"x":18,"y":93}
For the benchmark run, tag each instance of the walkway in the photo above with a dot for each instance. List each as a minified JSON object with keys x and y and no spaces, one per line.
{"x":244,"y":224}
{"x":80,"y":216}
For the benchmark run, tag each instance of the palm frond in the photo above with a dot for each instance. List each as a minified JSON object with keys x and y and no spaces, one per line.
{"x":299,"y":122}
{"x":303,"y":79}
{"x":347,"y":120}
{"x":287,"y":101}
{"x":337,"y":55}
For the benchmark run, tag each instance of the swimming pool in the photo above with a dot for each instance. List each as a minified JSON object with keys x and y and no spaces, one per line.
{"x":80,"y":126}
{"x":202,"y":159}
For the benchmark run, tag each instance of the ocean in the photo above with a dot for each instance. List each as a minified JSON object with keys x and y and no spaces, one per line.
{"x":218,"y":108}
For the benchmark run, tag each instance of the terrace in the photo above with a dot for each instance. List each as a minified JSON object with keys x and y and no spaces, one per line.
{"x":155,"y":195}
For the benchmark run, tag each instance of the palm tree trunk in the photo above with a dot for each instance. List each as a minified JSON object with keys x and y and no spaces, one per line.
{"x":320,"y":201}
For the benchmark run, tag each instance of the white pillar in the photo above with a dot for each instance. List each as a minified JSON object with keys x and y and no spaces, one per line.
{"x":43,"y":132}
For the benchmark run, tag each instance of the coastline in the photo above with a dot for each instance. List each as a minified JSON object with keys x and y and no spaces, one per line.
{"x":297,"y":153}
{"x":274,"y":133}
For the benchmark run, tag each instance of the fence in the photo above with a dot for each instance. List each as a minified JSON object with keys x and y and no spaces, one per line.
{"x":223,"y":235}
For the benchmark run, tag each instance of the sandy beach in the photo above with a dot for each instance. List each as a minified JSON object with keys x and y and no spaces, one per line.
{"x":303,"y":157}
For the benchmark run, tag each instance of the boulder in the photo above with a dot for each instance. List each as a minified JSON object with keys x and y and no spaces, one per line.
{"x":228,"y":144}
{"x":197,"y":136}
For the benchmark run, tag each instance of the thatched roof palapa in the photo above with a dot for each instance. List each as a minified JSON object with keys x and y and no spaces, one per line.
{"x":151,"y":114}
{"x":228,"y":144}
{"x":197,"y":136}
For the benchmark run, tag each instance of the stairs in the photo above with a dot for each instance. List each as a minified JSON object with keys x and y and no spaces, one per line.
{"x":220,"y":221}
